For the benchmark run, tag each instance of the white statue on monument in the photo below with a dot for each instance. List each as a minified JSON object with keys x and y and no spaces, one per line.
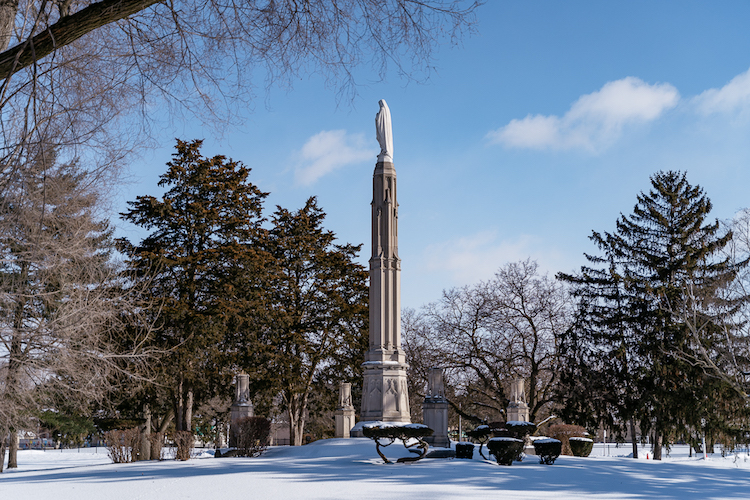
{"x":384,"y":132}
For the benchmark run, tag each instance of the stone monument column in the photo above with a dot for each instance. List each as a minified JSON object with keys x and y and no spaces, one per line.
{"x":384,"y":394}
{"x":518,"y":410}
{"x":344,"y":412}
{"x":241,"y":408}
{"x":435,"y":410}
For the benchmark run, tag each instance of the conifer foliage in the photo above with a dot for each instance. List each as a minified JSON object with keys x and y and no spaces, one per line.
{"x":649,"y":341}
{"x":317,"y":308}
{"x":283,"y":303}
{"x":204,"y":241}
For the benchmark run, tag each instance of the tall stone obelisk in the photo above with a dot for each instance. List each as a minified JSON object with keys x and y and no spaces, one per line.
{"x":384,"y":395}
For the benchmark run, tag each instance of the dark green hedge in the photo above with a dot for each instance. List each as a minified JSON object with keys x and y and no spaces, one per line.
{"x":581,"y":447}
{"x":520,"y":430}
{"x":505,"y":449}
{"x":548,"y":450}
{"x":397,"y":432}
{"x":465,"y":450}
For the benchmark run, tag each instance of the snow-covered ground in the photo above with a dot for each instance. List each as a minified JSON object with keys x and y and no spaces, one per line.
{"x":350,"y":469}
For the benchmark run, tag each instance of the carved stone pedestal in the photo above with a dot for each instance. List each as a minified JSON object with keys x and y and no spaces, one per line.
{"x":345,"y":412}
{"x":435,"y":410}
{"x":241,"y":408}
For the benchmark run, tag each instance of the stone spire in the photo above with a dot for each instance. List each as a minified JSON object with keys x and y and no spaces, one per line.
{"x":384,"y":395}
{"x":517,"y":410}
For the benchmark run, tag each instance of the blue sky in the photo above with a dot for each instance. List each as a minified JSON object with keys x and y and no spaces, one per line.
{"x":542,"y":127}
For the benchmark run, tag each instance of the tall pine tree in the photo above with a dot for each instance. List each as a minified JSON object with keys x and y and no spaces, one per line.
{"x":651,"y":315}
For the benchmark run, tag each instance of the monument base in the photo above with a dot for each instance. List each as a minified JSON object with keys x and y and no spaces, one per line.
{"x":344,"y":422}
{"x":518,"y":412}
{"x":239,"y":411}
{"x":384,"y":393}
{"x":435,"y":416}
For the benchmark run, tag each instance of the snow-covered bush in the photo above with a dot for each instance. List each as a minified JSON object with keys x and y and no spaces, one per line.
{"x":384,"y":434}
{"x":505,"y":449}
{"x":519,"y":429}
{"x":465,"y":450}
{"x":581,"y":446}
{"x":547,"y":450}
{"x":482,"y":434}
{"x":252,"y":438}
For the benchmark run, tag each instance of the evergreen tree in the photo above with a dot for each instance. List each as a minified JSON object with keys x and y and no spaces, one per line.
{"x":316,"y":314}
{"x":204,"y":265}
{"x":634,"y":338}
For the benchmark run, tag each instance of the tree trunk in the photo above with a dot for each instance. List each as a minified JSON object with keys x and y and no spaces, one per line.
{"x":634,"y":438}
{"x":297,"y":405}
{"x":13,"y":375}
{"x":3,"y":435}
{"x":13,"y":450}
{"x":179,"y":408}
{"x":165,"y":422}
{"x":294,"y":439}
{"x":299,"y":429}
{"x":67,"y":30}
{"x":146,"y":434}
{"x":657,"y":445}
{"x":8,"y":10}
{"x":12,"y":379}
{"x":188,"y":422}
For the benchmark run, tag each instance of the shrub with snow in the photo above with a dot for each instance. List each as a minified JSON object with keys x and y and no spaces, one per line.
{"x":156,"y":441}
{"x":252,"y":438}
{"x":385,"y":434}
{"x":520,"y":429}
{"x":482,"y":434}
{"x":581,"y":446}
{"x":183,"y":440}
{"x":123,"y":445}
{"x":505,"y":449}
{"x":548,"y":450}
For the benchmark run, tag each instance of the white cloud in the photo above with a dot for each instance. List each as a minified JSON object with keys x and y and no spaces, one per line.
{"x":329,"y":150}
{"x":595,"y":120}
{"x":477,"y":257}
{"x":734,"y":96}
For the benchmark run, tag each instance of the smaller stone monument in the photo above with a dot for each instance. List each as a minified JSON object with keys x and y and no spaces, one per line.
{"x":435,"y":409}
{"x":241,"y":408}
{"x":518,"y":410}
{"x":344,"y":412}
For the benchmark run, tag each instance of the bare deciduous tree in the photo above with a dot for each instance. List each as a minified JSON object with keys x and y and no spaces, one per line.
{"x":62,"y":306}
{"x":487,"y":334}
{"x":90,"y":73}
